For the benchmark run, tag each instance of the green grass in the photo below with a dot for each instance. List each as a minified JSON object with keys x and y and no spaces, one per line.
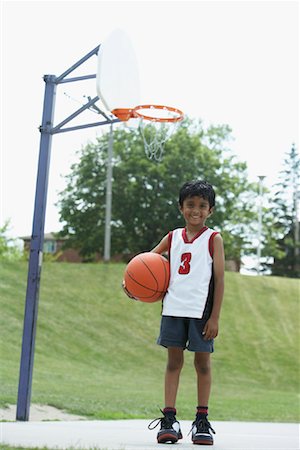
{"x":96,"y":352}
{"x":5,"y":447}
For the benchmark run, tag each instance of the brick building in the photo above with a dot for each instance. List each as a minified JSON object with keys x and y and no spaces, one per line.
{"x":53,"y":245}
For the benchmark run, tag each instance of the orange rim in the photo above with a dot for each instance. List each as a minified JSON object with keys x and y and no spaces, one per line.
{"x":136,"y":113}
{"x":125,"y":114}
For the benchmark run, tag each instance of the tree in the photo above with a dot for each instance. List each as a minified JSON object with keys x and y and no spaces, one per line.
{"x":145,"y":193}
{"x":8,"y":247}
{"x":82,"y":204}
{"x":286,"y":218}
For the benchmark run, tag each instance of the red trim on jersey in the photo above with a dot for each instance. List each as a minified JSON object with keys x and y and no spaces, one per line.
{"x":170,"y":235}
{"x":211,"y":243}
{"x":185,"y":238}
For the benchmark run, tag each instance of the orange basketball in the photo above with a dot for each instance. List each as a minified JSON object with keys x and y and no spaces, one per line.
{"x":147,"y":277}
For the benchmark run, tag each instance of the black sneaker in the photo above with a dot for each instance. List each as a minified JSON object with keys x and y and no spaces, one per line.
{"x":169,"y":428}
{"x":201,"y":434}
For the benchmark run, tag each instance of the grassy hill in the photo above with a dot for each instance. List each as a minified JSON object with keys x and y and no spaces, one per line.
{"x":96,"y":351}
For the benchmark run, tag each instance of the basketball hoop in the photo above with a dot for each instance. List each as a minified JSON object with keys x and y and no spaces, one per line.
{"x":157,"y":123}
{"x":117,"y":84}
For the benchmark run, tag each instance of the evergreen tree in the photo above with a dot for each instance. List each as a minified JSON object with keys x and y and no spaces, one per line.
{"x":286,"y":217}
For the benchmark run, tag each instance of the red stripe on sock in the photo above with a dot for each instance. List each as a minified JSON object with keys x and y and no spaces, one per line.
{"x":169,"y":410}
{"x":202,"y":410}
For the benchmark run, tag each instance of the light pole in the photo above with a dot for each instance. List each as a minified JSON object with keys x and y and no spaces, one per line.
{"x":261,"y":178}
{"x":107,"y":238}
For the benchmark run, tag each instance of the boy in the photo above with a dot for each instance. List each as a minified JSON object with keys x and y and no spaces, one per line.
{"x":191,"y":307}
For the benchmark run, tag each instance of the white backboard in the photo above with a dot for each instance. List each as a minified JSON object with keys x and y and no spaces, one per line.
{"x":117,"y":80}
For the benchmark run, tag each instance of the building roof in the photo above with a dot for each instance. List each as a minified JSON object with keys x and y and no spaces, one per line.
{"x":47,"y":237}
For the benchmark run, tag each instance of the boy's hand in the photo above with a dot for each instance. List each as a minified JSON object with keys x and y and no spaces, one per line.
{"x":126,"y":292}
{"x":211,"y":329}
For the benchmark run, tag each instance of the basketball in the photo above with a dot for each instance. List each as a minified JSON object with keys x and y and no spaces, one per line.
{"x":147,"y":276}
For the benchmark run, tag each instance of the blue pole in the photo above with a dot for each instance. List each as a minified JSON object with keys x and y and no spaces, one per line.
{"x":36,"y":252}
{"x":37,"y":238}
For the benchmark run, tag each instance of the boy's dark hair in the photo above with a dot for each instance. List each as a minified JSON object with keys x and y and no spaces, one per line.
{"x":197,"y":188}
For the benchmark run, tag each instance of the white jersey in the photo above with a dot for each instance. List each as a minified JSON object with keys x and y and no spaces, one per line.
{"x":190,"y":291}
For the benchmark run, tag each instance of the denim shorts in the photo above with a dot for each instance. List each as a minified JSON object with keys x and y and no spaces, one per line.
{"x":185,"y":333}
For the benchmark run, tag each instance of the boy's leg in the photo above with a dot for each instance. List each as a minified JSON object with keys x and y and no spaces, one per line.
{"x":203,"y":369}
{"x":170,"y":427}
{"x":201,"y":428}
{"x":173,"y":336}
{"x":173,"y":369}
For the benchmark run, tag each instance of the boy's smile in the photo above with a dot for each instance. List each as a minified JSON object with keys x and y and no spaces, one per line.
{"x":195,"y":211}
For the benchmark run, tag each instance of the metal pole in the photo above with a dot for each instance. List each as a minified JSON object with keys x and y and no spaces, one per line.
{"x":295,"y":211}
{"x":107,"y":237}
{"x":36,"y":253}
{"x":37,"y":238}
{"x":296,"y":227}
{"x":261,"y":178}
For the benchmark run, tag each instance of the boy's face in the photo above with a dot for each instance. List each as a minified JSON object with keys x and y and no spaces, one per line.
{"x":195,"y":211}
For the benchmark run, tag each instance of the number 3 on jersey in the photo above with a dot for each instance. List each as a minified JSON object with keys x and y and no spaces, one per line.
{"x":185,"y":263}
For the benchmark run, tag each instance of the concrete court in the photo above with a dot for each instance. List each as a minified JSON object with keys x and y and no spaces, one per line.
{"x":134,"y":435}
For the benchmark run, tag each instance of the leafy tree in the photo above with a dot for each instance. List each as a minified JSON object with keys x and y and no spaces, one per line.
{"x":82,"y":204}
{"x":8,"y":248}
{"x":145,"y":193}
{"x":285,"y":217}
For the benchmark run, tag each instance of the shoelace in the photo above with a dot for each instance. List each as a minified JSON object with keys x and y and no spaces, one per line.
{"x":204,"y":426}
{"x":168,"y":421}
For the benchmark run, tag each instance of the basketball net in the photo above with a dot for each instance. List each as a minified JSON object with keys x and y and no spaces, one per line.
{"x":155,"y":135}
{"x":156,"y":125}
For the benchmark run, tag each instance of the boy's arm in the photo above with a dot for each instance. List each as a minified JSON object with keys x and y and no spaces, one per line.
{"x":162,"y":247}
{"x":211,"y":328}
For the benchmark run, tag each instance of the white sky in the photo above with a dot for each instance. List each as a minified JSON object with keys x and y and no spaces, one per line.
{"x":233,"y":62}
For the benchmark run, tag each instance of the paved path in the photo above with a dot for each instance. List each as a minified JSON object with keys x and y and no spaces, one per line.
{"x":134,"y":435}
